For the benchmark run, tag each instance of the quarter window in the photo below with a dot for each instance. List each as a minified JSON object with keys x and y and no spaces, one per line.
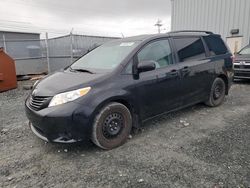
{"x":189,"y":49}
{"x":158,"y":51}
{"x":215,"y":45}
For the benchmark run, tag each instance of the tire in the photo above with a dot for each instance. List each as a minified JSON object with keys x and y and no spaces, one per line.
{"x":217,"y":93}
{"x":112,"y":126}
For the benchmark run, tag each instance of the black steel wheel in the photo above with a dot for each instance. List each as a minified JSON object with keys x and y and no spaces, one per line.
{"x":112,"y":126}
{"x":217,"y":93}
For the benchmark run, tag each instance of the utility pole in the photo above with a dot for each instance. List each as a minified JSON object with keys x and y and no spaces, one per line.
{"x":159,"y":24}
{"x":71,"y":45}
{"x":4,"y":44}
{"x":47,"y":51}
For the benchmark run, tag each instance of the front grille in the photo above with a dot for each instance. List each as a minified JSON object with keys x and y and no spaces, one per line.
{"x":242,"y":74}
{"x":38,"y":102}
{"x":242,"y":66}
{"x":246,"y":61}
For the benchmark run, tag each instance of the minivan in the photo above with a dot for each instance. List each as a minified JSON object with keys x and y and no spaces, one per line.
{"x":125,"y":82}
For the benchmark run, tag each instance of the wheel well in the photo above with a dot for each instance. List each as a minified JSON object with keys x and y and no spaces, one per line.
{"x":124,"y":102}
{"x":135,"y":117}
{"x":225,"y":79}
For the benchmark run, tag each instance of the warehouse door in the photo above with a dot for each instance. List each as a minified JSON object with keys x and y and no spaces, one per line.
{"x":234,"y":43}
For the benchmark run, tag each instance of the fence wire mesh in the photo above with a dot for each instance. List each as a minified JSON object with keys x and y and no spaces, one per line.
{"x":40,"y":56}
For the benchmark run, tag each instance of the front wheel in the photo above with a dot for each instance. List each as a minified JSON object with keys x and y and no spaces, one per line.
{"x":112,"y":126}
{"x":217,"y":93}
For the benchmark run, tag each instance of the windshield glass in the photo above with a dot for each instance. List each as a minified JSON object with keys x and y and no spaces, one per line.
{"x":245,"y":51}
{"x":105,"y":57}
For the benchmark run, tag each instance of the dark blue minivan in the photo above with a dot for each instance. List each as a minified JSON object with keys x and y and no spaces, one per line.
{"x":124,"y":82}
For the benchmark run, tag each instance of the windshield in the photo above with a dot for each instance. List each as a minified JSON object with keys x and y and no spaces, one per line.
{"x":245,"y":51}
{"x":106,"y":57}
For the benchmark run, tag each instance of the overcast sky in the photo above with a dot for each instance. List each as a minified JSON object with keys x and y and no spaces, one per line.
{"x":97,"y":17}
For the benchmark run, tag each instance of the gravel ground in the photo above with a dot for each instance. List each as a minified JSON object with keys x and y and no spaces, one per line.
{"x":195,"y":147}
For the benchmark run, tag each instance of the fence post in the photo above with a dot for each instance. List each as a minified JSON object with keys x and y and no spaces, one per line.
{"x":47,"y":52}
{"x":4,"y":44}
{"x":71,"y":46}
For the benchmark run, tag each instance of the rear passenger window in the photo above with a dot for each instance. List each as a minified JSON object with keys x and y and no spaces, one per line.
{"x":215,"y":45}
{"x":189,"y":49}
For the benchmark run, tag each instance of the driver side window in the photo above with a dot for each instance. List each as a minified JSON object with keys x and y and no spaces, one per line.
{"x":158,"y":51}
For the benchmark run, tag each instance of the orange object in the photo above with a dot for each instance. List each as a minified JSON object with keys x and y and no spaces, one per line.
{"x":7,"y":72}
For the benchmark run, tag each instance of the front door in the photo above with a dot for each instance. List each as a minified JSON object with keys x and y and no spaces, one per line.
{"x":158,"y":90}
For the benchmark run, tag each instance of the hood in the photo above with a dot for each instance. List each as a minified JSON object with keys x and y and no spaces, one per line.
{"x":239,"y":57}
{"x":63,"y":81}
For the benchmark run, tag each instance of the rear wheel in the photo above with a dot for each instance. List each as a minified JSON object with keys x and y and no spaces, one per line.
{"x":112,"y":126}
{"x":217,"y":93}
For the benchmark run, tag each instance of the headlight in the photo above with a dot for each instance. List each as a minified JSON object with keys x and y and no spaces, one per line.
{"x":68,"y":96}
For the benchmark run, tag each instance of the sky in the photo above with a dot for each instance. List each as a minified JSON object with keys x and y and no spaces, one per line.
{"x":90,"y":17}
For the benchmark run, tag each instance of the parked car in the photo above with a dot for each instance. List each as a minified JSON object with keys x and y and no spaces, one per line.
{"x":242,"y":63}
{"x":127,"y":81}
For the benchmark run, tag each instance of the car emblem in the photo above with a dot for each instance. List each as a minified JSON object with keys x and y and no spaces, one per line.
{"x":242,"y":62}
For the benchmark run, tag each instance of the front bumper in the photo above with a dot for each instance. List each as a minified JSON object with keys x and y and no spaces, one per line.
{"x":242,"y":73}
{"x":66,"y":123}
{"x":242,"y":69}
{"x":60,"y":139}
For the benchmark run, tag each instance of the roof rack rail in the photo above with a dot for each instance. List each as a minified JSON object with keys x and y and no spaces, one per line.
{"x":198,"y":31}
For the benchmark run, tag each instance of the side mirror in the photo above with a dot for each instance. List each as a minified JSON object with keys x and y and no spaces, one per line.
{"x":146,"y":66}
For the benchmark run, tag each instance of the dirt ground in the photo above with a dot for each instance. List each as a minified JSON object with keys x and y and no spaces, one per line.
{"x":195,"y":147}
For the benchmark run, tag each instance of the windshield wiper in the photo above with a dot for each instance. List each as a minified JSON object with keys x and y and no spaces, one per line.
{"x":81,"y":70}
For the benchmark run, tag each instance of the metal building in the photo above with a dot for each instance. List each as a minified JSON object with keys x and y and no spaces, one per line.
{"x":229,"y":18}
{"x":25,"y":49}
{"x":18,"y":35}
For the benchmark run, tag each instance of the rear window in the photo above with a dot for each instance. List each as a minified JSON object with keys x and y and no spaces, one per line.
{"x":215,"y":45}
{"x":189,"y":49}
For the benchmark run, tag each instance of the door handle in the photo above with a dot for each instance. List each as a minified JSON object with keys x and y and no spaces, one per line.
{"x":173,"y":72}
{"x":185,"y":69}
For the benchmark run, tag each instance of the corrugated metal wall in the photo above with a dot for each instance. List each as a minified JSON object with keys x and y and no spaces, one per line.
{"x":219,"y":16}
{"x":25,"y":49}
{"x":16,"y":35}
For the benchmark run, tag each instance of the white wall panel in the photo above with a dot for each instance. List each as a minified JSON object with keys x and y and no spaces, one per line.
{"x":219,"y":16}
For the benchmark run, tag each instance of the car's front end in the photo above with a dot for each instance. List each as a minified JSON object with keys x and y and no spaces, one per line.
{"x":64,"y":123}
{"x":242,"y":68}
{"x":59,"y":116}
{"x":242,"y":64}
{"x":58,"y":107}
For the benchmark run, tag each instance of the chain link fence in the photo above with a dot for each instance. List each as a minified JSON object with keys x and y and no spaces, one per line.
{"x":48,"y":55}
